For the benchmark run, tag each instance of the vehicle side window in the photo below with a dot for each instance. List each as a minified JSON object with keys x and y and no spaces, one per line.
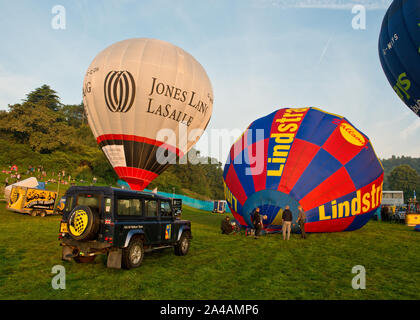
{"x":150,"y":208}
{"x":165,"y":208}
{"x":129,"y":207}
{"x":69,"y":203}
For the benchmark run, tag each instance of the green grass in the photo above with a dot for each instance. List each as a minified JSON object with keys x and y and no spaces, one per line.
{"x":217,"y":266}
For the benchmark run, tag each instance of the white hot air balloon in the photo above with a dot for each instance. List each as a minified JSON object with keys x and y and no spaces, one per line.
{"x":147,"y":103}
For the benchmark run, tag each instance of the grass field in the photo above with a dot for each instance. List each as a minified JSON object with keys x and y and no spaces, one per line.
{"x":217,"y":266}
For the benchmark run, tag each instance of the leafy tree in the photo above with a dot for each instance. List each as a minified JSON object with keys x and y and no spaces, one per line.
{"x":74,"y":114}
{"x":394,"y":161}
{"x":42,"y":131}
{"x":37,"y":125}
{"x":404,"y":178}
{"x":46,"y":96}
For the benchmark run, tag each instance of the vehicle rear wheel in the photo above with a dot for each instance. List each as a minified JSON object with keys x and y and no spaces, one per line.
{"x":42,"y":213}
{"x":34,"y":213}
{"x":182,"y":247}
{"x":83,"y":259}
{"x":132,"y":256}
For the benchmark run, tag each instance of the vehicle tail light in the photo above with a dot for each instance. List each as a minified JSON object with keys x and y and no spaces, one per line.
{"x":108,"y":239}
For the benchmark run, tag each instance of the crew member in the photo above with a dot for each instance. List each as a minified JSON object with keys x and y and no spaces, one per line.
{"x":287,"y":222}
{"x":301,"y":220}
{"x":226,"y":226}
{"x":257,"y":222}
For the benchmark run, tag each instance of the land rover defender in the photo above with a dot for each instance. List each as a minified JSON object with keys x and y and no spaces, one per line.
{"x":122,"y":224}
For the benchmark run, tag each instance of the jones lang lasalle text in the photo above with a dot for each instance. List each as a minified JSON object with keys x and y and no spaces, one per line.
{"x":183,"y":96}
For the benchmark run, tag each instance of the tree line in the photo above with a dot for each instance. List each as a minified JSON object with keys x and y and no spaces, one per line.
{"x":402,"y":174}
{"x":42,"y":131}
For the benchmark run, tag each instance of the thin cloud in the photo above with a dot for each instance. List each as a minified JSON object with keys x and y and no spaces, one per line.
{"x":324,"y":51}
{"x":410,"y":130}
{"x":396,"y":119}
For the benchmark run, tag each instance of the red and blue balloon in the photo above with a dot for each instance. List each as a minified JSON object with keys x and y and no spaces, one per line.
{"x":305,"y":157}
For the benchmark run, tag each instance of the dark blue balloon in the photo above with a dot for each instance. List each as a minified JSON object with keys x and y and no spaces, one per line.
{"x":399,"y":50}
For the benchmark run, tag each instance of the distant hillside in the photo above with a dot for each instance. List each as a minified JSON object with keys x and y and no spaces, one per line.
{"x":200,"y":181}
{"x":43,"y":132}
{"x":393,"y":162}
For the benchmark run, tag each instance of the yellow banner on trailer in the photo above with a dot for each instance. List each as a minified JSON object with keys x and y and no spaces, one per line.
{"x":17,"y":197}
{"x":27,"y":200}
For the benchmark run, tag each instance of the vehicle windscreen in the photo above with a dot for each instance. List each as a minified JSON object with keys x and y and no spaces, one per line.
{"x":165,"y":208}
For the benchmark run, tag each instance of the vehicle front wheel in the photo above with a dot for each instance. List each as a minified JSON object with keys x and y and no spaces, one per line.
{"x":132,"y":256}
{"x":181,"y":248}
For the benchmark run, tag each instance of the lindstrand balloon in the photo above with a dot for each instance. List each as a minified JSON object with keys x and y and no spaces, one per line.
{"x":304,"y":157}
{"x":399,"y":50}
{"x":147,"y":103}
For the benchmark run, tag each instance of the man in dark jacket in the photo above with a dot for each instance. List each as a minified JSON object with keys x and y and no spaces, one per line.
{"x":226,"y":226}
{"x":257,"y":222}
{"x":287,"y":222}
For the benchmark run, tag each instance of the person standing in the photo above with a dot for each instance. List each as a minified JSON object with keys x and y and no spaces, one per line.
{"x":257,"y":222}
{"x":287,"y":222}
{"x":302,"y":220}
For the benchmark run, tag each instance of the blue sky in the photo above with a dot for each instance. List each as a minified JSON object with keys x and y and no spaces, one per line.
{"x":260,"y":55}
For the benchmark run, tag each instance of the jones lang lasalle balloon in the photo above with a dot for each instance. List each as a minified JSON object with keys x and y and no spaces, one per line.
{"x":147,"y":103}
{"x":304,"y":157}
{"x":399,"y":50}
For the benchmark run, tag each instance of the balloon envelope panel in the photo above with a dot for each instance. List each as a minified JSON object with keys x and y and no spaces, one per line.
{"x":144,"y":99}
{"x":304,"y":157}
{"x":399,"y":50}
